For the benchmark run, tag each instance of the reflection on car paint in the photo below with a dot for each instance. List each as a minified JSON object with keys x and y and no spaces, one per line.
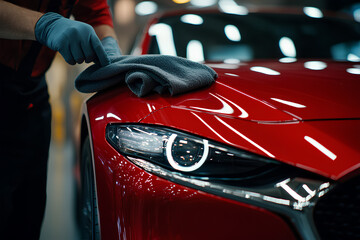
{"x":292,"y":104}
{"x":244,"y":137}
{"x":315,"y":65}
{"x":320,"y":147}
{"x":265,"y":70}
{"x":226,"y":109}
{"x":111,"y":115}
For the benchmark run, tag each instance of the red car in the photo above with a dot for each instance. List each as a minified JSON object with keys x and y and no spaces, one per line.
{"x":270,"y":151}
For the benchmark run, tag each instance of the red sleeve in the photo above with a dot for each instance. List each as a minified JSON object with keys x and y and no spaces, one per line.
{"x":93,"y":12}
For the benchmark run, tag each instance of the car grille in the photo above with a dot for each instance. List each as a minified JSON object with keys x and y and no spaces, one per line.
{"x":337,"y":214}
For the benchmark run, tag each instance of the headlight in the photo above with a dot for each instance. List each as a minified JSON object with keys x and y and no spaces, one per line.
{"x":222,"y":170}
{"x":186,"y":153}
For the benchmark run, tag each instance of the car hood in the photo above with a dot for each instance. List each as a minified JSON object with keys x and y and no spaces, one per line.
{"x":276,"y":91}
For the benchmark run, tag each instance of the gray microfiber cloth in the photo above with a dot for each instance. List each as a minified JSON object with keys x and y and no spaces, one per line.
{"x":146,"y":73}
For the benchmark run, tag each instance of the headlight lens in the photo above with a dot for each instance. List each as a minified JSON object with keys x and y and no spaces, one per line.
{"x":186,"y":153}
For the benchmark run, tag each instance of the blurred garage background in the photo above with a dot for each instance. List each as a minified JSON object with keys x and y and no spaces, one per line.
{"x":129,"y":18}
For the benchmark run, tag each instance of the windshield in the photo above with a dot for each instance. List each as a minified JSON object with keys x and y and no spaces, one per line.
{"x":221,"y":37}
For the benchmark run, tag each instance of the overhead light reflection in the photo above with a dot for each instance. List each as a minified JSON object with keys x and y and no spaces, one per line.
{"x":353,"y":58}
{"x":195,"y":51}
{"x":287,"y":60}
{"x":320,"y":147}
{"x":232,"y":61}
{"x":313,"y":12}
{"x":353,"y":70}
{"x":191,"y":19}
{"x":287,"y":47}
{"x":264,"y":70}
{"x":164,"y":37}
{"x":356,"y":14}
{"x":231,"y":7}
{"x":232,"y":33}
{"x":315,"y":65}
{"x":146,"y":8}
{"x":203,"y":3}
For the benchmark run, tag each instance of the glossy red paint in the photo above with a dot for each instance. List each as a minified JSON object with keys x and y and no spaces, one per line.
{"x":131,"y":200}
{"x":287,"y":142}
{"x":268,"y":128}
{"x":330,"y":92}
{"x":154,"y":208}
{"x":286,"y":111}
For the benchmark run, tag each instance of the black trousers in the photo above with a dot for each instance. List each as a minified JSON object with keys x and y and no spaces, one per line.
{"x":25,"y":126}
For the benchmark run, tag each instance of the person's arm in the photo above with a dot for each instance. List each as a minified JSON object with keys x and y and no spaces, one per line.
{"x":17,"y":22}
{"x":76,"y":41}
{"x":104,"y":30}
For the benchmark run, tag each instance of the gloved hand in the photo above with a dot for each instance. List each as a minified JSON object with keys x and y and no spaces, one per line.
{"x":112,"y":49}
{"x":76,"y":41}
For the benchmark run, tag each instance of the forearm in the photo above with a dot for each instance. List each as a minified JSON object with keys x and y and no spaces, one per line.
{"x":17,"y":22}
{"x":104,"y":30}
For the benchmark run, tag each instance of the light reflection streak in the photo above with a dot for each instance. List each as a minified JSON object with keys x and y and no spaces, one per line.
{"x":289,"y":190}
{"x":111,"y":115}
{"x":277,"y":200}
{"x":226,"y":108}
{"x":149,"y":107}
{"x":264,"y":70}
{"x":321,"y":148}
{"x":246,"y":138}
{"x":224,"y":66}
{"x":309,"y":191}
{"x":292,"y":104}
{"x":142,"y":131}
{"x":324,"y":186}
{"x":213,"y":130}
{"x":99,"y":118}
{"x":244,"y":114}
{"x":232,"y":74}
{"x":247,"y":95}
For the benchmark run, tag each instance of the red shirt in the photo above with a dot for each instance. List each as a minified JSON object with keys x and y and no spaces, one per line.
{"x":12,"y":52}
